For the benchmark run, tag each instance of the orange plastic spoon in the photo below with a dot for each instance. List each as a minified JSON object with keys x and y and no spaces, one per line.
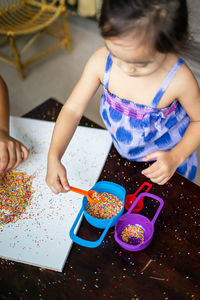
{"x":95,"y":199}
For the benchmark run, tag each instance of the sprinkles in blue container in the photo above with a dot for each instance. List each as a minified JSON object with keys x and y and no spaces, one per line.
{"x":103,"y":214}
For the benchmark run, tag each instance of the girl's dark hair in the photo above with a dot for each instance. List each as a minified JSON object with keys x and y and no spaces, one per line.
{"x":163,"y":22}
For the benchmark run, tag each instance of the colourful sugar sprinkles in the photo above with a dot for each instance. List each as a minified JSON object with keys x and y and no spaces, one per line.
{"x":107,"y":209}
{"x":133,"y":234}
{"x":15,"y":195}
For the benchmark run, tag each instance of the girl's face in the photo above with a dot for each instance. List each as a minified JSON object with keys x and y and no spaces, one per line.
{"x":133,"y":57}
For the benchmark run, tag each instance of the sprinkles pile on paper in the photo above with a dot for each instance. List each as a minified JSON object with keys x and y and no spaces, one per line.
{"x":16,"y":194}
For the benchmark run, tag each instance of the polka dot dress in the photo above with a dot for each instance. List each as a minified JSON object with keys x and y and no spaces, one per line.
{"x":137,"y":130}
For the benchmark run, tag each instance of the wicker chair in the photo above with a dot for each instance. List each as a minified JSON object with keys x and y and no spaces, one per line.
{"x":32,"y":17}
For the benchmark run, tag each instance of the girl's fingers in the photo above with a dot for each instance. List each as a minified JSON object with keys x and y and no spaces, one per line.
{"x":12,"y":155}
{"x":24,"y":152}
{"x":19,"y":157}
{"x":151,"y":156}
{"x":150,"y":170}
{"x":21,"y":154}
{"x":156,"y":174}
{"x":12,"y":158}
{"x":57,"y":185}
{"x":163,"y":181}
{"x":64,"y":183}
{"x":4,"y":158}
{"x":62,"y":179}
{"x":56,"y":178}
{"x":53,"y":190}
{"x":160,"y":180}
{"x":56,"y":188}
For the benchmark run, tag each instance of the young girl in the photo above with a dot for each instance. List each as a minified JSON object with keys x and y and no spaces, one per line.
{"x":151,"y":100}
{"x":12,"y":152}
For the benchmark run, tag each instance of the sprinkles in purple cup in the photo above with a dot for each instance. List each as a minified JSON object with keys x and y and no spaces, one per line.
{"x":133,"y":234}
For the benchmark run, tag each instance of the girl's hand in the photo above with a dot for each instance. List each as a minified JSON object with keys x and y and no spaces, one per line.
{"x":12,"y":152}
{"x":56,"y":177}
{"x":163,"y":168}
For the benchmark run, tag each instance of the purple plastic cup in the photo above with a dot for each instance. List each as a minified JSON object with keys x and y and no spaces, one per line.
{"x":135,"y":220}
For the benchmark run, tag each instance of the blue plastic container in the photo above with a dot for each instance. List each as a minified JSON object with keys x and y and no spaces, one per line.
{"x":102,"y":186}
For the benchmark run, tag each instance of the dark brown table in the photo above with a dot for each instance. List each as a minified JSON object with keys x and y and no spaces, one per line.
{"x":168,"y":269}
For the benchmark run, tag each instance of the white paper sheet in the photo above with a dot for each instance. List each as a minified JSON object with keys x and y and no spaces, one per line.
{"x":41,"y":236}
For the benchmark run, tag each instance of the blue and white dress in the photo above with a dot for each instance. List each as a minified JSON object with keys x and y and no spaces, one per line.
{"x":137,"y":130}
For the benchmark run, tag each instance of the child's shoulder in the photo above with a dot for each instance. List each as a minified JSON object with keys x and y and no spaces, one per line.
{"x":184,"y":83}
{"x":186,"y":75}
{"x":100,"y":54}
{"x":98,"y":61}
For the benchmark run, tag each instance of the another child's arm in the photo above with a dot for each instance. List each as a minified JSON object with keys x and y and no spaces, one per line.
{"x":168,"y":161}
{"x":12,"y":152}
{"x":67,"y":122}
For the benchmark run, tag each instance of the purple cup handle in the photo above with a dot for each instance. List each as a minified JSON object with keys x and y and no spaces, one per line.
{"x":150,"y":196}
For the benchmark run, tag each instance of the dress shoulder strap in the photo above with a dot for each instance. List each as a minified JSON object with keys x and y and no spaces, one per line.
{"x":166,"y":82}
{"x":107,"y":70}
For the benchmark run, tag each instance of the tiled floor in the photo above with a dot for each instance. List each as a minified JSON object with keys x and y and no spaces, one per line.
{"x":56,"y":75}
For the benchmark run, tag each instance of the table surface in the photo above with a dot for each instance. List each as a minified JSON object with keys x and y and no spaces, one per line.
{"x":167,"y":269}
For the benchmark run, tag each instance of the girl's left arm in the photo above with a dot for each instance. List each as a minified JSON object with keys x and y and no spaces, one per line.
{"x":168,"y":161}
{"x":189,"y":98}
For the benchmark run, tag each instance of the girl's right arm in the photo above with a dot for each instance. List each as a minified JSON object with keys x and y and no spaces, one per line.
{"x":68,"y":120}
